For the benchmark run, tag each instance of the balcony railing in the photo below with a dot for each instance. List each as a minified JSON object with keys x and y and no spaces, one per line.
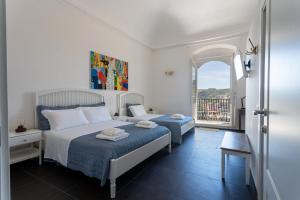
{"x":214,"y":110}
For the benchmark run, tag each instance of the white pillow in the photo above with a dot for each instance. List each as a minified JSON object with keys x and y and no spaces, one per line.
{"x":96,"y":114}
{"x":63,"y":119}
{"x":137,"y":110}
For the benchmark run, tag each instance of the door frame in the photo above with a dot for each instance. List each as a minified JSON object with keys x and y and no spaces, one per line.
{"x":232,"y":95}
{"x":263,"y":91}
{"x":4,"y":148}
{"x":267,"y":179}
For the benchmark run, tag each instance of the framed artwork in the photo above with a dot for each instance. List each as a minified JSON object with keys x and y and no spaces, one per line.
{"x":108,"y":73}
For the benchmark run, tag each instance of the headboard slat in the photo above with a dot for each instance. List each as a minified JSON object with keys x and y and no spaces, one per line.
{"x":128,"y":97}
{"x":66,"y":97}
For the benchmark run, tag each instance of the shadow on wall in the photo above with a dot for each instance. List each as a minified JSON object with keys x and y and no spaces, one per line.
{"x":160,"y":35}
{"x":22,"y":115}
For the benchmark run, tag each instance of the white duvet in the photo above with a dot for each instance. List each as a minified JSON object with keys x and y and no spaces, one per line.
{"x":57,"y":142}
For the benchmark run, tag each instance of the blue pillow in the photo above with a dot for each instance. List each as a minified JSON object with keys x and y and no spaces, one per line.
{"x":43,"y":123}
{"x":92,"y":105}
{"x":129,"y":113}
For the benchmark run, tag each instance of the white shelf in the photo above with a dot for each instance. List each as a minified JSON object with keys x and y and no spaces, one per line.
{"x":28,"y":132}
{"x":23,"y":154}
{"x":152,"y":112}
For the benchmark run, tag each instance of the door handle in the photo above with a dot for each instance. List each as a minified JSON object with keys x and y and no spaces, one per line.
{"x":261,"y":112}
{"x":264,"y":129}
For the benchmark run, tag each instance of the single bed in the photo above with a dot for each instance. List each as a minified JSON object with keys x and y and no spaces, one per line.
{"x":78,"y":149}
{"x":178,"y":127}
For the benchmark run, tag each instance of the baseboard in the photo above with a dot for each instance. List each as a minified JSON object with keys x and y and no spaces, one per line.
{"x":221,"y":128}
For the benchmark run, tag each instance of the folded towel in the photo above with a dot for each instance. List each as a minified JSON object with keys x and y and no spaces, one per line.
{"x":112,"y":132}
{"x":146,"y":126}
{"x":177,"y":116}
{"x":146,"y":123}
{"x":113,"y":138}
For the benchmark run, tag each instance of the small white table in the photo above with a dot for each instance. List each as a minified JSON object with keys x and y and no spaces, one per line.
{"x":152,"y":112}
{"x":121,"y":118}
{"x":236,"y":144}
{"x":32,"y":141}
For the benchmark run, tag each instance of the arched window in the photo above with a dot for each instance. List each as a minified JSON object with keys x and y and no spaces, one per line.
{"x":213,"y":94}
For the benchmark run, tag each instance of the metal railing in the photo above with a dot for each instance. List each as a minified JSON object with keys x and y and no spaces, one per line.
{"x":214,"y":110}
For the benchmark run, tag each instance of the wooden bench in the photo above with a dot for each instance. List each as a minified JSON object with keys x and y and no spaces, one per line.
{"x":236,"y":144}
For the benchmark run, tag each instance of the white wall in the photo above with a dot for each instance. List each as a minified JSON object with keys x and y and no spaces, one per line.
{"x":252,"y":99}
{"x":48,"y":47}
{"x":172,"y":94}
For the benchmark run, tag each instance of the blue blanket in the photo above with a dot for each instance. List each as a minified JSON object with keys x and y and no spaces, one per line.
{"x":173,"y":124}
{"x":92,"y":156}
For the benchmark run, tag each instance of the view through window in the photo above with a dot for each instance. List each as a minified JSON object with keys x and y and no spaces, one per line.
{"x":213,"y":93}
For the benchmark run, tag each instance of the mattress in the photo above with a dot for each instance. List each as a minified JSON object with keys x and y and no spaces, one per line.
{"x":165,"y":120}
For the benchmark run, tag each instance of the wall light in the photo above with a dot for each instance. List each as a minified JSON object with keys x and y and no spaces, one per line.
{"x":169,"y":72}
{"x":253,"y":49}
{"x":238,"y":66}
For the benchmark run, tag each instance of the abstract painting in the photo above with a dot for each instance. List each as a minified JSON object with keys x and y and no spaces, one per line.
{"x":108,"y":73}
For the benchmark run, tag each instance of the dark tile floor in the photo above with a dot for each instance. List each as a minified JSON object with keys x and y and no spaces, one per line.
{"x":190,"y":172}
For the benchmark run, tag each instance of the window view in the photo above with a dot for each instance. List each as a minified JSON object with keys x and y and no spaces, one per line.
{"x":213,"y":94}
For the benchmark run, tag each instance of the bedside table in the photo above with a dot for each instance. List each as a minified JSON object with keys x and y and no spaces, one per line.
{"x":152,"y":112}
{"x":30,"y":137}
{"x":121,"y":118}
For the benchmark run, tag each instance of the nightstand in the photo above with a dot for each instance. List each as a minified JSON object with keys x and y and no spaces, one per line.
{"x":121,"y":118}
{"x":32,"y":141}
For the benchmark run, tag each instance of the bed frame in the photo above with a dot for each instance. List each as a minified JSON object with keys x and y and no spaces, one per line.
{"x":65,"y":97}
{"x":136,"y":98}
{"x":128,"y":97}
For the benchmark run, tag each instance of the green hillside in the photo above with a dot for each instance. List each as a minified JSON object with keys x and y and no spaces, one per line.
{"x":213,"y":93}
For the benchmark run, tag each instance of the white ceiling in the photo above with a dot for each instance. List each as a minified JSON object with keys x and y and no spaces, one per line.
{"x":161,"y":23}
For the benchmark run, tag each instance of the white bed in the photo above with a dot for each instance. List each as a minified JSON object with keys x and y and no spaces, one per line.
{"x":57,"y":144}
{"x":136,"y":98}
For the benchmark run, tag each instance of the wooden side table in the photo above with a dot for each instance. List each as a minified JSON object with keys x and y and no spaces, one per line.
{"x":241,"y":113}
{"x":236,"y":144}
{"x":30,"y":137}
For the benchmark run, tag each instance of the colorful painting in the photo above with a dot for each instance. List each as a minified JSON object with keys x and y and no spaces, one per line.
{"x":108,"y":73}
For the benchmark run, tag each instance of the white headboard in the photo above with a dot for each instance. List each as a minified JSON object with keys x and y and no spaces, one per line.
{"x":128,"y":97}
{"x":66,"y":97}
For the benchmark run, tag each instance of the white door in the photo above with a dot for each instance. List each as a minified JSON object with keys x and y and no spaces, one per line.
{"x":4,"y":167}
{"x":282,"y":101}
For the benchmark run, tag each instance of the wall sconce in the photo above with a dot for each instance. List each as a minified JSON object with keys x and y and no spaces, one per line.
{"x":242,"y":69}
{"x":253,"y":49}
{"x":169,"y":72}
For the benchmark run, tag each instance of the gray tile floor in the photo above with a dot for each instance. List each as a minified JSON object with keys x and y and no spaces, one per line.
{"x":190,"y":172}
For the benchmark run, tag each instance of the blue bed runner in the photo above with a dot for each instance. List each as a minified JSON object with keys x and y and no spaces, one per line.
{"x":92,"y":156}
{"x":173,"y":124}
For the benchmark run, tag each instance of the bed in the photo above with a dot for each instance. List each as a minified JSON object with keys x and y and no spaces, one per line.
{"x":177,"y":127}
{"x":78,"y":149}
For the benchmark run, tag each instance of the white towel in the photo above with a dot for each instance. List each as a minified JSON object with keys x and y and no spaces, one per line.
{"x":146,"y":126}
{"x":177,"y":116}
{"x":112,"y":138}
{"x":112,"y":132}
{"x":146,"y":123}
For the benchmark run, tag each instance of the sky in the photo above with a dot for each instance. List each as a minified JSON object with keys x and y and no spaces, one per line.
{"x":214,"y":74}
